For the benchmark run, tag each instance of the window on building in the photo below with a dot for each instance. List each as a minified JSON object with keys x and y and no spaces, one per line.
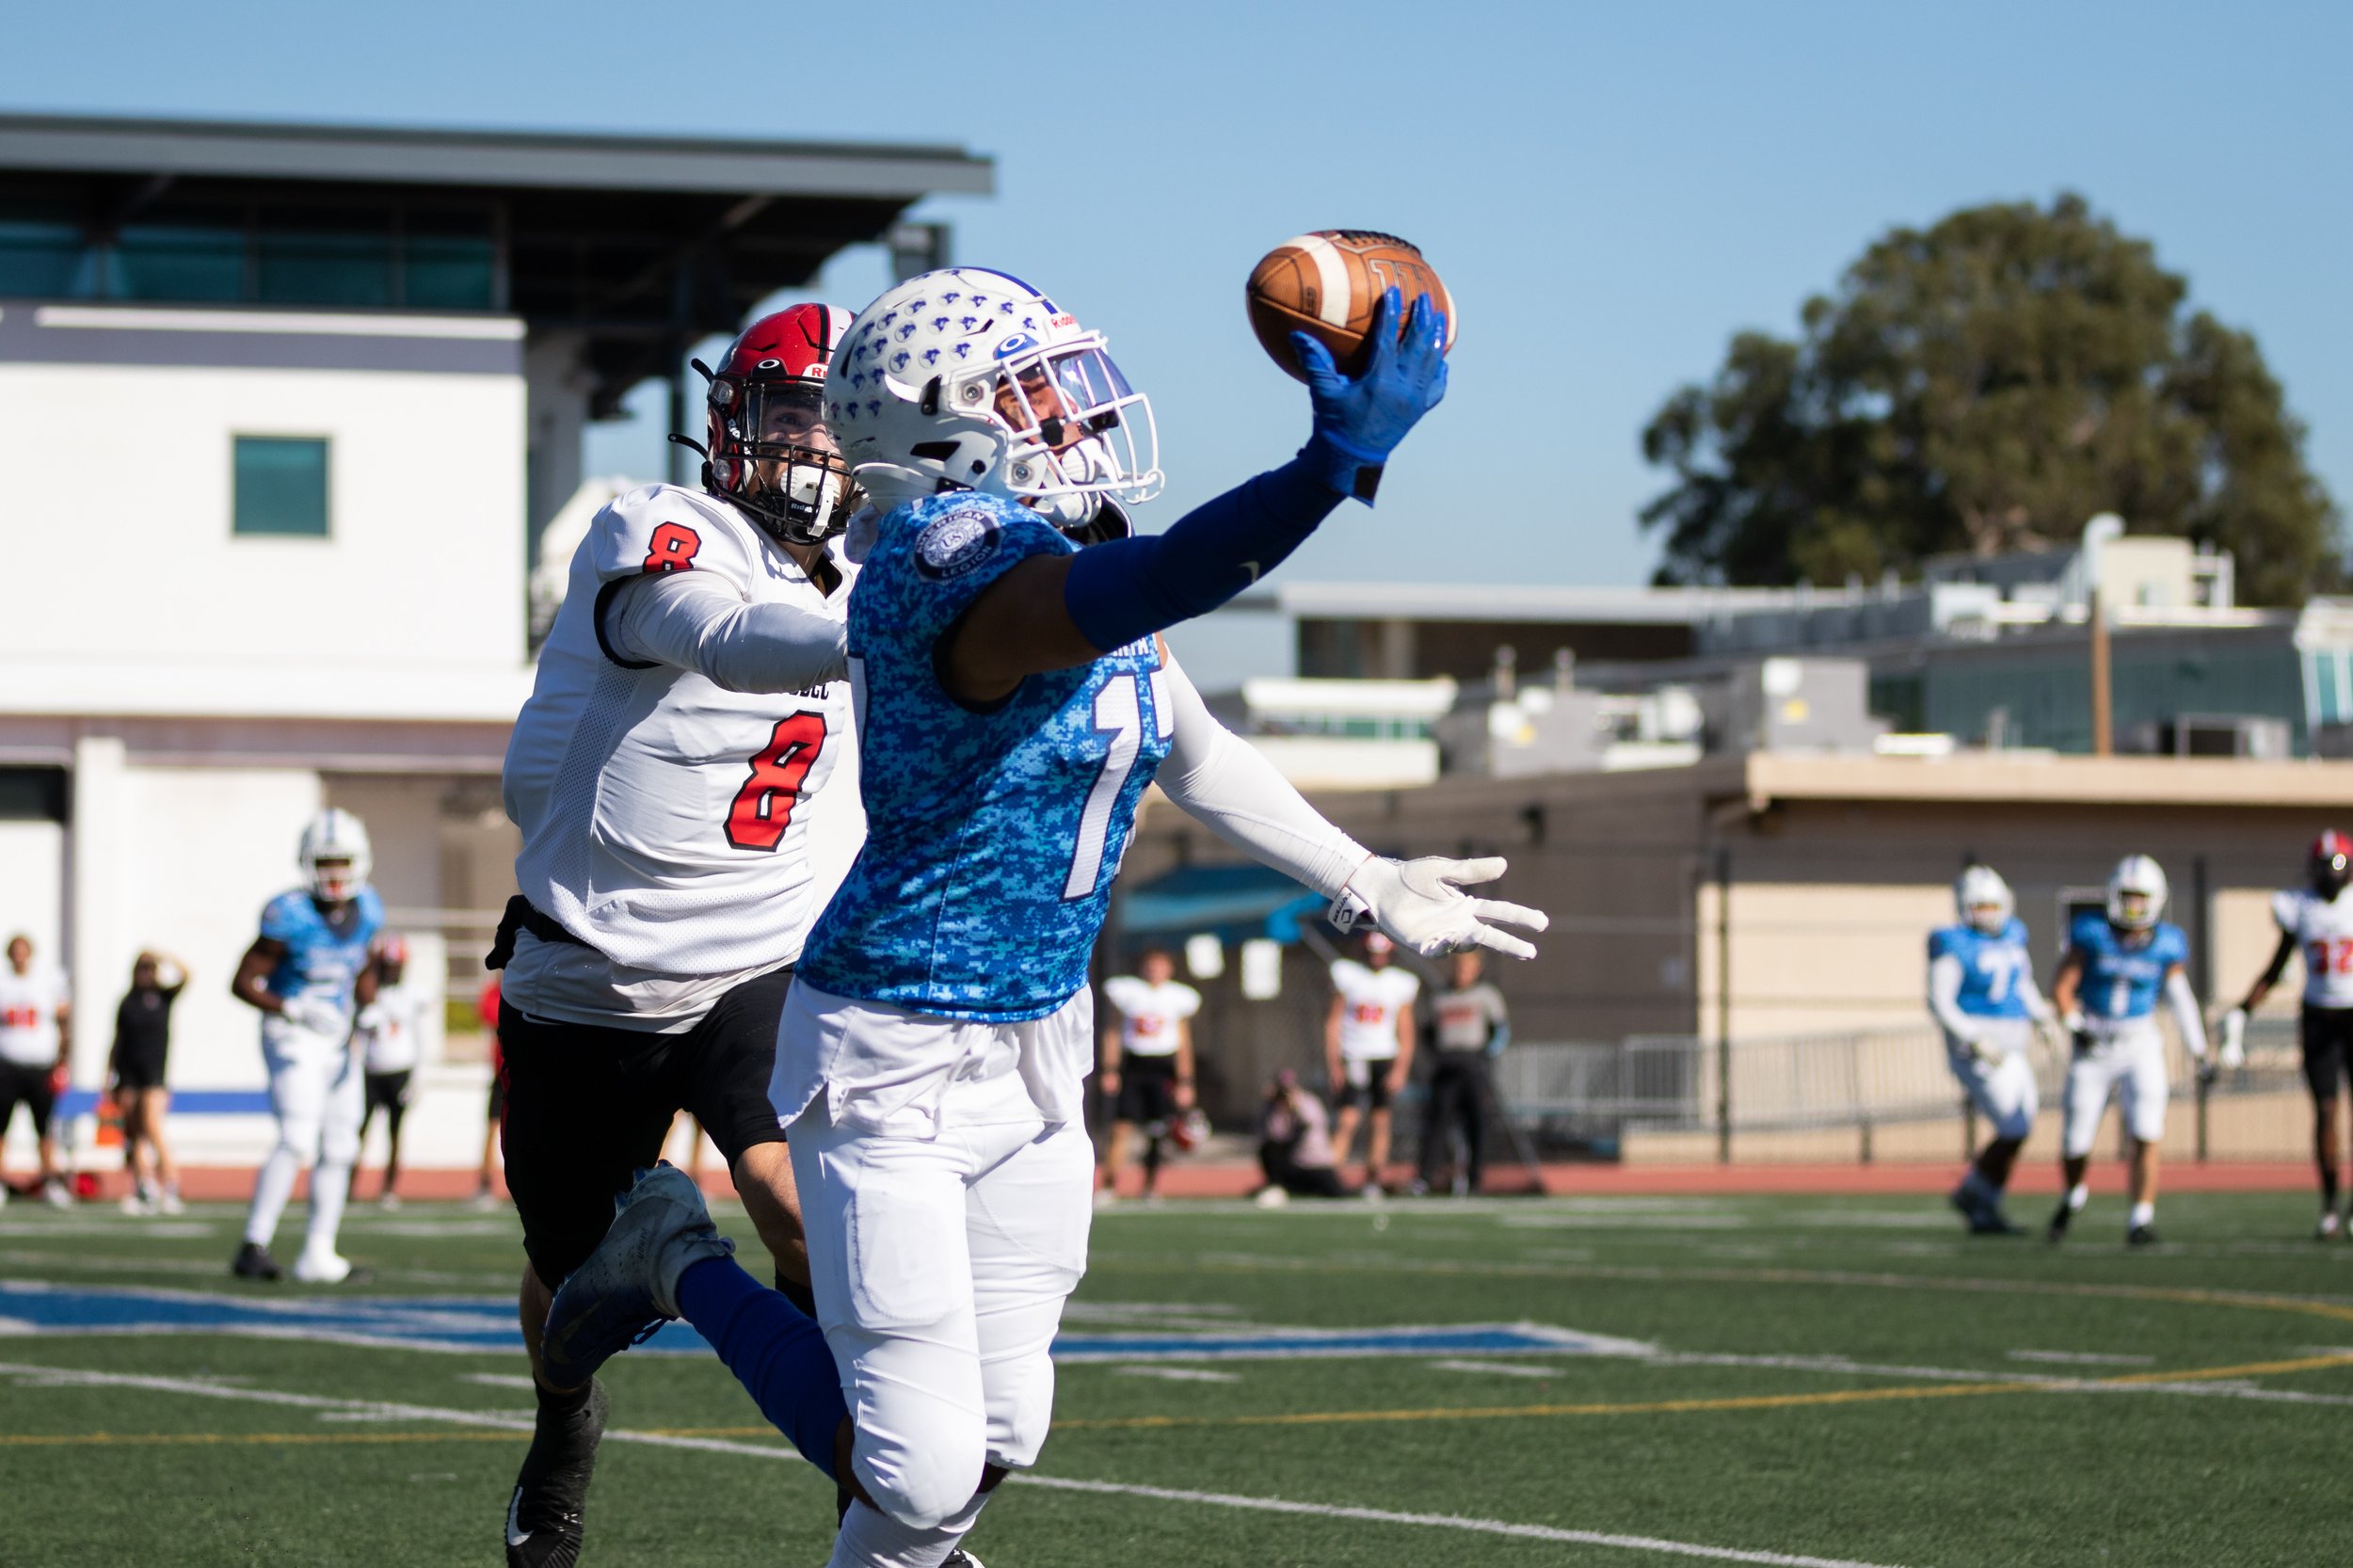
{"x":41,"y":254}
{"x":159,"y":261}
{"x":281,"y":485}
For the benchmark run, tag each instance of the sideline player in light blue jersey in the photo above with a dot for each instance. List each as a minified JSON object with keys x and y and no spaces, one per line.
{"x":2107,"y":993}
{"x":1014,"y":703}
{"x":309,"y":973}
{"x":1981,"y":990}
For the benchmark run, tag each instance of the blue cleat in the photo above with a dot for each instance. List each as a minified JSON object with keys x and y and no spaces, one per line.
{"x":629,"y":1285}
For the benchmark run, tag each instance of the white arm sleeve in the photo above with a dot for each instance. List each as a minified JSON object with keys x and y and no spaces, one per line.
{"x":2185,"y":1015}
{"x":687,"y":620}
{"x":2038,"y":1005}
{"x":1223,"y":781}
{"x":1944,"y":997}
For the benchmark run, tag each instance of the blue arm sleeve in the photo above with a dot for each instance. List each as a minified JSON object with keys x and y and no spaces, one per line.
{"x":1129,"y":588}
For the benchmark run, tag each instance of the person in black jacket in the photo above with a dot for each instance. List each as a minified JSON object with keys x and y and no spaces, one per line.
{"x":143,"y":1040}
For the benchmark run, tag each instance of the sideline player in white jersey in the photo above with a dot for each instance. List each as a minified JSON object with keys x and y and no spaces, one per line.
{"x":689,"y":706}
{"x":2317,"y":920}
{"x":36,"y":1038}
{"x":1981,"y":992}
{"x":1147,"y":1068}
{"x":1016,"y":704}
{"x":2107,"y":995}
{"x":308,"y":974}
{"x":389,"y":1042}
{"x":1369,"y":1049}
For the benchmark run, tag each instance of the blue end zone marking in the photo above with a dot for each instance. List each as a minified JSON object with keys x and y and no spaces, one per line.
{"x":185,"y":1102}
{"x":474,"y":1323}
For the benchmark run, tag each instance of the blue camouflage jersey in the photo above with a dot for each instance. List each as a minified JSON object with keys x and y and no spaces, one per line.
{"x":2121,"y":982}
{"x":991,"y":837}
{"x":320,"y":959}
{"x":1991,"y":967}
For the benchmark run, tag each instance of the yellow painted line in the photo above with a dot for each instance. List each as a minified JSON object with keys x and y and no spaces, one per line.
{"x":1676,"y":1407}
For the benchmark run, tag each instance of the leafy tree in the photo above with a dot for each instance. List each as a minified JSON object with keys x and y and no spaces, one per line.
{"x":1987,"y":385}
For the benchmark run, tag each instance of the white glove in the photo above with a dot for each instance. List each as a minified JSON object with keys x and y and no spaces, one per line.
{"x":1983,"y":1049}
{"x":1421,"y":904}
{"x":316,"y":1015}
{"x":2234,"y":1052}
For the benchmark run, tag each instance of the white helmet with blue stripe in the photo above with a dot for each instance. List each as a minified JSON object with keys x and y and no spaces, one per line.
{"x":335,"y":856}
{"x":1983,"y":900}
{"x":969,"y":379}
{"x":2135,"y":893}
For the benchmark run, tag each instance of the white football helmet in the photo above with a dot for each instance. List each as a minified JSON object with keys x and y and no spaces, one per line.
{"x":334,"y":855}
{"x":2135,"y":893}
{"x":967,"y":379}
{"x":1983,"y":899}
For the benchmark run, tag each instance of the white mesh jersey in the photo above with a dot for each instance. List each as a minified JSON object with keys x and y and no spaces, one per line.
{"x":2323,"y":929}
{"x":663,"y":814}
{"x":28,"y":1015}
{"x":1370,"y":1000}
{"x":1150,"y":1014}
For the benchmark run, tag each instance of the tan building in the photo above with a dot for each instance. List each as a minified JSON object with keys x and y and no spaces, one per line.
{"x":1776,"y":896}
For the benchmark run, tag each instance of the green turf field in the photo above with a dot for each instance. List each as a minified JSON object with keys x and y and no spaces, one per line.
{"x":1773,"y":1381}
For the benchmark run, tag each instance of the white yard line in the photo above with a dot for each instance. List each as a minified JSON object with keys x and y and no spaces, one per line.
{"x":2082,"y":1358}
{"x":1499,"y":1368}
{"x":379,"y":1410}
{"x":1178,"y":1374}
{"x":1439,"y":1521}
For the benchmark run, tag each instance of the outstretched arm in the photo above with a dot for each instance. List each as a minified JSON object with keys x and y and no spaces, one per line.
{"x":1059,"y":611}
{"x":697,"y":622}
{"x":1228,"y":785}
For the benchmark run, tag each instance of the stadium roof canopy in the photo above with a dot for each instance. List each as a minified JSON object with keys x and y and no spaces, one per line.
{"x":641,"y":244}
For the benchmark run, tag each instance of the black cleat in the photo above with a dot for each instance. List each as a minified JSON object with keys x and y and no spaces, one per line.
{"x":2141,"y":1236}
{"x":253,"y":1261}
{"x":961,"y":1559}
{"x":1985,"y":1219}
{"x":545,"y":1516}
{"x":2055,"y":1231}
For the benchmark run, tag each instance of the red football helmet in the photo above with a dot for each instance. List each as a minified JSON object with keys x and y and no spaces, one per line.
{"x":2330,"y":863}
{"x":769,"y":450}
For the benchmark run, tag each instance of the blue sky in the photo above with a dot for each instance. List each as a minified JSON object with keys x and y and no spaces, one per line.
{"x":1610,"y":193}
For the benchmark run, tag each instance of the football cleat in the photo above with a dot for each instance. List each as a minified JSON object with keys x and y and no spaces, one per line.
{"x":1271,"y":1197}
{"x":2141,"y":1236}
{"x":628,"y":1287}
{"x":2331,"y":1226}
{"x":253,"y":1261}
{"x":56,"y":1193}
{"x":170,"y":1203}
{"x":318,"y":1265}
{"x":961,"y":1559}
{"x":544,"y":1517}
{"x":2055,"y":1231}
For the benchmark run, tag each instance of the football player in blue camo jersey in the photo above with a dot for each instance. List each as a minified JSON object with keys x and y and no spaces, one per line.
{"x":2107,"y":994}
{"x":1981,"y":991}
{"x":1014,"y":703}
{"x":308,"y":974}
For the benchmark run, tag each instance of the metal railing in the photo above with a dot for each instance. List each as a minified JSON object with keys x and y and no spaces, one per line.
{"x":1851,"y":1079}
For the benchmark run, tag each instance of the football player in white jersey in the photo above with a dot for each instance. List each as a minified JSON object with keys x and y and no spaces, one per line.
{"x":690,"y":702}
{"x":2317,"y":920}
{"x":308,"y":974}
{"x":36,"y":1037}
{"x":389,"y":1042}
{"x":1147,"y":1071}
{"x":1368,"y":1049}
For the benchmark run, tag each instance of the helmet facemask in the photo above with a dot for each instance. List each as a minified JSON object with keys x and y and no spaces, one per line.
{"x":772,"y":456}
{"x":2332,"y":866}
{"x":1076,"y":434}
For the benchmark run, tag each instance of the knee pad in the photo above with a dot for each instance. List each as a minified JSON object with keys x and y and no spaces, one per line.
{"x":339,"y":1144}
{"x":926,"y":1484}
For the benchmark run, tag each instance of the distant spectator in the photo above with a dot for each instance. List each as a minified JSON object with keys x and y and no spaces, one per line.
{"x":1147,"y":1062}
{"x":388,"y":1032}
{"x":1369,"y":1047}
{"x":487,"y":1009}
{"x":36,"y":1035}
{"x":1294,"y":1148}
{"x":1469,"y":1026}
{"x":137,"y":1066}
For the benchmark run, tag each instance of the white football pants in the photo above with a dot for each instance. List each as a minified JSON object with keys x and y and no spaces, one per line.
{"x":2003,"y":1091}
{"x":2131,"y":1066}
{"x":940,"y":1262}
{"x":318,"y":1095}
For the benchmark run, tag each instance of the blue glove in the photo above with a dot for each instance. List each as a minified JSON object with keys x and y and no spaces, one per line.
{"x":1360,"y":421}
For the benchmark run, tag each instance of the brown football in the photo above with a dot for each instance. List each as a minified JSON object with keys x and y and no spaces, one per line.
{"x":1326,"y":285}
